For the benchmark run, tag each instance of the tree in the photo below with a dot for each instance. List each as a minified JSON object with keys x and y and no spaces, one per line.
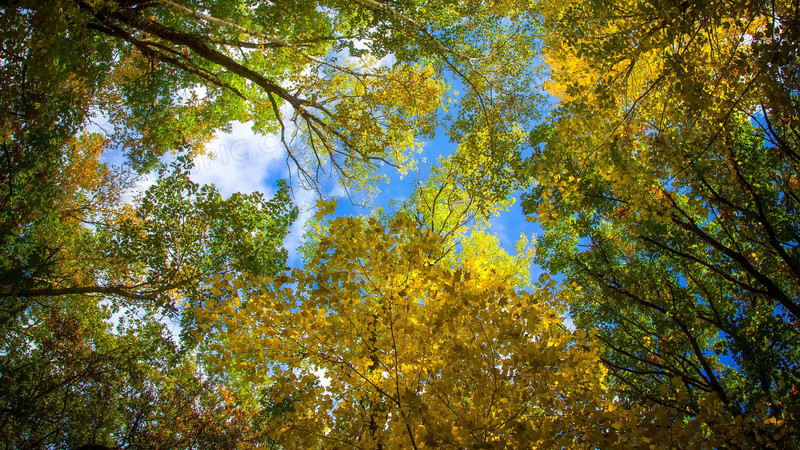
{"x":87,"y":358}
{"x":150,"y":78}
{"x":165,"y":75}
{"x":667,"y":193}
{"x":382,"y":342}
{"x":77,"y":260}
{"x":416,"y":353}
{"x":157,"y":250}
{"x":72,"y":375}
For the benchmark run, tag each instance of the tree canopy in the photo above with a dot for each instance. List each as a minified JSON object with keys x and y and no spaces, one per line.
{"x":164,"y":76}
{"x":654,"y":143}
{"x":665,"y":180}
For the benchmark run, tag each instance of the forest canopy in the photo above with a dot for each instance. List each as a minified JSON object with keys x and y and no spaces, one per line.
{"x":654,"y":144}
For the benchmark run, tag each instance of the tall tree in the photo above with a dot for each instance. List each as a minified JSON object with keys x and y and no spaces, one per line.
{"x":166,"y":75}
{"x":147,"y":78}
{"x":76,"y":259}
{"x":73,"y":374}
{"x":665,"y":182}
{"x":155,"y":251}
{"x":413,"y":353}
{"x":381,"y":342}
{"x":87,"y":283}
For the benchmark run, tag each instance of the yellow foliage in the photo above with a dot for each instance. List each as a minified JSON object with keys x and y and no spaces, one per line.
{"x":416,"y":353}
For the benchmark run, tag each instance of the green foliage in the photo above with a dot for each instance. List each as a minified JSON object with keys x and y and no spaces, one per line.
{"x":666,"y":181}
{"x":667,"y":198}
{"x":71,"y":377}
{"x":165,"y":76}
{"x":180,"y":232}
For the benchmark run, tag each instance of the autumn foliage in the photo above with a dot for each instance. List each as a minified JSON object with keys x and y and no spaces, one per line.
{"x":654,"y":143}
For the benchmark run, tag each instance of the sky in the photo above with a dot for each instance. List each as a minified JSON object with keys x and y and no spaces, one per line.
{"x":244,"y":162}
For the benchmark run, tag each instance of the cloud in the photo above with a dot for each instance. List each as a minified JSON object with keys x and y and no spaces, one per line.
{"x":242,"y":161}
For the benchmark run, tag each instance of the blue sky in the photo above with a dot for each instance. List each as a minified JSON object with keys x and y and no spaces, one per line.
{"x":245,"y":162}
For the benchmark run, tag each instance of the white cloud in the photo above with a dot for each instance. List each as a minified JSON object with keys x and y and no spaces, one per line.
{"x":497,"y":226}
{"x":242,"y":161}
{"x":245,"y":162}
{"x":388,"y":61}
